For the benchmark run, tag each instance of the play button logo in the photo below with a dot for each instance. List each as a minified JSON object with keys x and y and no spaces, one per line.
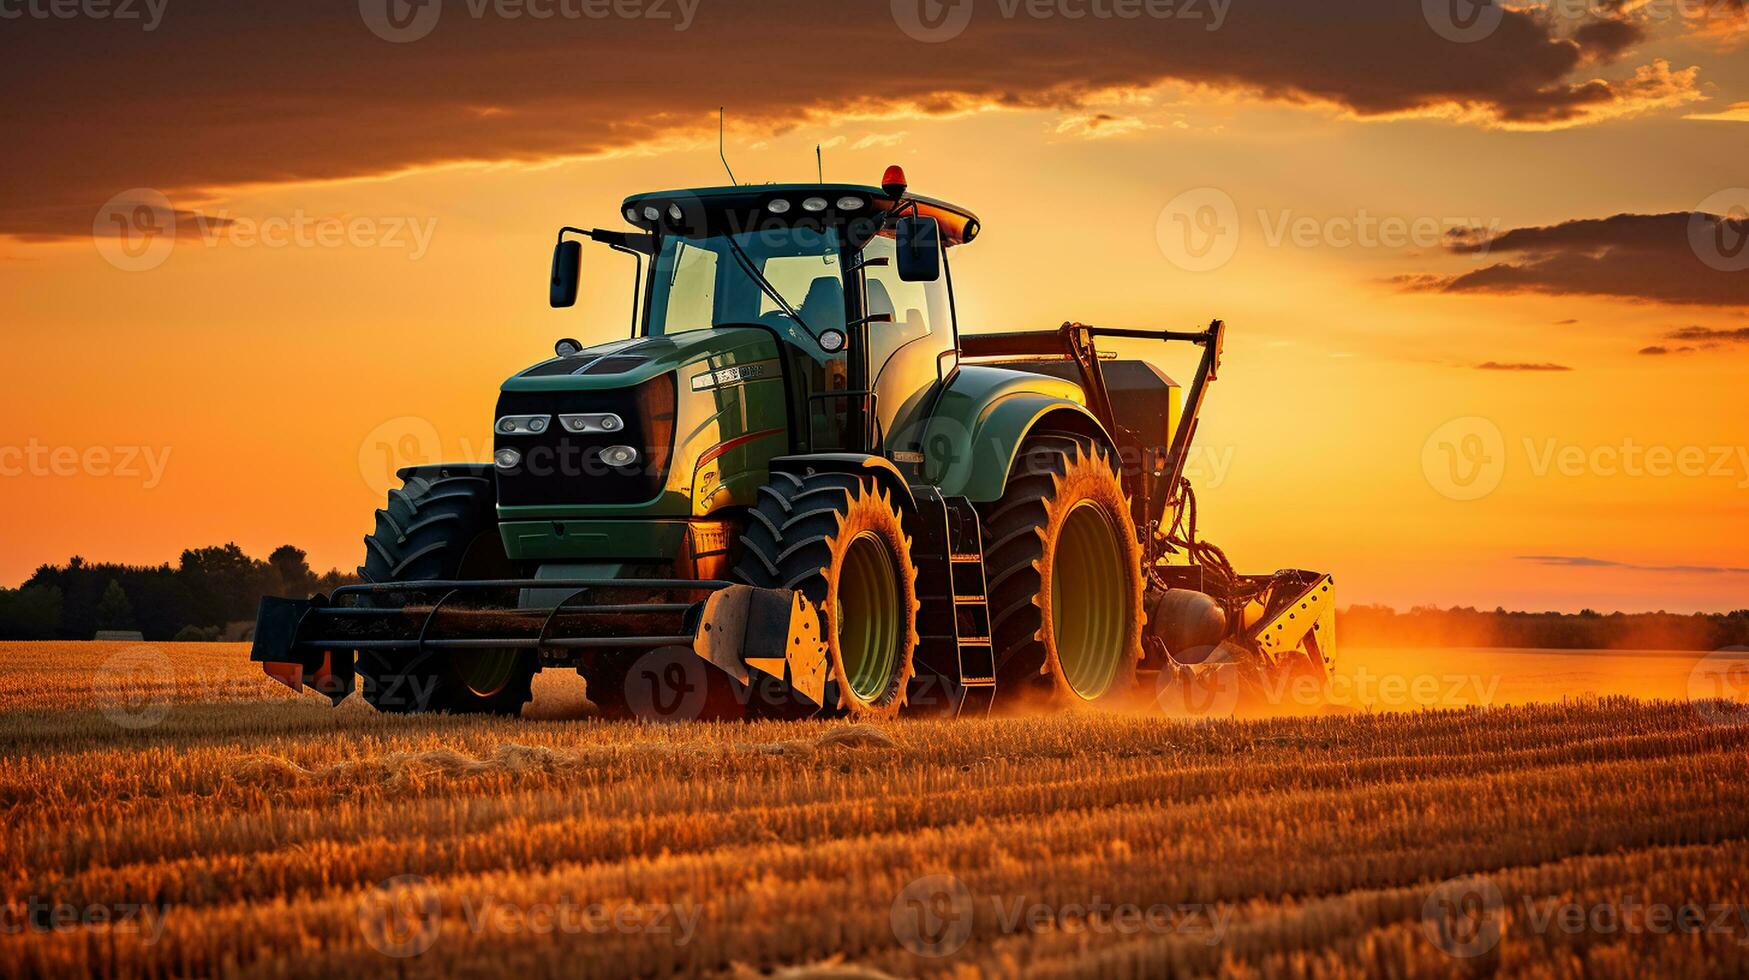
{"x":400,"y":21}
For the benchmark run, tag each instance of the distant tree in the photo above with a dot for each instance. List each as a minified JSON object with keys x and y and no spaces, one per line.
{"x":114,"y":611}
{"x":224,"y":583}
{"x":208,"y":588}
{"x":30,"y":613}
{"x":293,"y":568}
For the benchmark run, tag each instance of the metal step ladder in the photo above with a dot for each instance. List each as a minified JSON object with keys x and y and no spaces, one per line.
{"x":955,"y":657}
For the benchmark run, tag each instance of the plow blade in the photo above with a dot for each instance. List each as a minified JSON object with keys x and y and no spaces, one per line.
{"x":1301,"y":611}
{"x":740,"y":630}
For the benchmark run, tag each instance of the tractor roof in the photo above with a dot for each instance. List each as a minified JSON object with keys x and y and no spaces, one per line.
{"x":653,"y":208}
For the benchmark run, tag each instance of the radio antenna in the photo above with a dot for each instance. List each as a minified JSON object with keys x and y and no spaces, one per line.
{"x":819,"y":163}
{"x":720,"y":154}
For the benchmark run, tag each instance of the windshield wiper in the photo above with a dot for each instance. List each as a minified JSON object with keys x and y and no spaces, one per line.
{"x":765,"y":285}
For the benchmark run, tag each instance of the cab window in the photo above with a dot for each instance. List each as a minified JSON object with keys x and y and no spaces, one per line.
{"x":693,"y":307}
{"x":919,"y":309}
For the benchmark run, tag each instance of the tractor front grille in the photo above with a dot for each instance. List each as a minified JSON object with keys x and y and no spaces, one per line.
{"x":560,"y":467}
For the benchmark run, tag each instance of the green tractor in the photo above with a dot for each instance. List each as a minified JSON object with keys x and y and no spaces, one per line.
{"x":799,"y":488}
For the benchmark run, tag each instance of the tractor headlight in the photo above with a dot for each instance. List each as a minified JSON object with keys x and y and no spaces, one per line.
{"x":850,"y":204}
{"x":619,"y":456}
{"x":814,"y":204}
{"x":522,"y":425}
{"x":507,"y":459}
{"x":593,"y":422}
{"x":778,"y":206}
{"x":651,"y":214}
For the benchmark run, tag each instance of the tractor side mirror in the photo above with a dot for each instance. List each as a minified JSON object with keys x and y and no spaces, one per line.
{"x":919,"y":248}
{"x":567,"y":271}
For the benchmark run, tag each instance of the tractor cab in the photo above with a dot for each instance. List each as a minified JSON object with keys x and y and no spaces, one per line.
{"x":850,"y":279}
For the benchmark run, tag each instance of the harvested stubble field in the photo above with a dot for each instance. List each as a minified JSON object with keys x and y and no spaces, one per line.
{"x":233,"y":829}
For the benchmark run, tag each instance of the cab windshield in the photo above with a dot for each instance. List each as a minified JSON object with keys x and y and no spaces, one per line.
{"x":787,"y":277}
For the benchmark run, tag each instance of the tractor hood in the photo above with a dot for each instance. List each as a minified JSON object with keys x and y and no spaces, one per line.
{"x":658,"y":403}
{"x":624,"y":363}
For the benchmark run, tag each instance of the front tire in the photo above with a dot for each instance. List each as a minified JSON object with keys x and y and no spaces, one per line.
{"x":1065,"y":581}
{"x":841,"y":542}
{"x":441,"y":528}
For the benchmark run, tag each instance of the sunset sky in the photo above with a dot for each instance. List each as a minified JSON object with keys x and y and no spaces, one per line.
{"x":1488,"y":344}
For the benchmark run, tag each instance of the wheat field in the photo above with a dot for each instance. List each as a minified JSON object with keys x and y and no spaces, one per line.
{"x":169,"y":812}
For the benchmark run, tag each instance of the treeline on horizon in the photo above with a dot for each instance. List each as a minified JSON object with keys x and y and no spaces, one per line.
{"x":1424,"y":626}
{"x":208,"y":589}
{"x":196,"y":599}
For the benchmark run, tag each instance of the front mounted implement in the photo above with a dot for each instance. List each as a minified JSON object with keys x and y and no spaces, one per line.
{"x":736,"y":634}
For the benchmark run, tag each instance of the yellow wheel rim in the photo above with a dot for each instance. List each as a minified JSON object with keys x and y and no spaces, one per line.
{"x":1089,"y":612}
{"x":868,"y":616}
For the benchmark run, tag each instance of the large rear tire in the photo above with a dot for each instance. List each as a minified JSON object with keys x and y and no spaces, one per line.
{"x":841,"y":542}
{"x":441,"y":528}
{"x":1065,"y":581}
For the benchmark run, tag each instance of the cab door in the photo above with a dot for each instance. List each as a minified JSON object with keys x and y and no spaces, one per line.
{"x":909,"y":356}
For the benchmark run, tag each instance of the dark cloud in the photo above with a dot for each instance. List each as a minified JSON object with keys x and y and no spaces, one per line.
{"x":1682,"y":257}
{"x":1520,"y":366}
{"x":224,"y":93}
{"x":1607,"y":39}
{"x":1699,"y":339}
{"x":1737,"y":336}
{"x":1579,"y":561}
